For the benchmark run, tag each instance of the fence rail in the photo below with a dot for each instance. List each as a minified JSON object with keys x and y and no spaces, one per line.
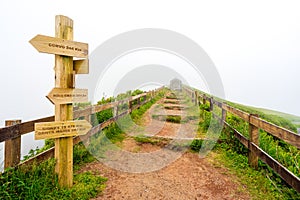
{"x":10,"y":133}
{"x":252,"y":143}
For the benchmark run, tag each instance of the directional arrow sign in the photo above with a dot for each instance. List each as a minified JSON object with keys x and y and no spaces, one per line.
{"x":68,"y":95}
{"x":53,"y":45}
{"x":46,"y":130}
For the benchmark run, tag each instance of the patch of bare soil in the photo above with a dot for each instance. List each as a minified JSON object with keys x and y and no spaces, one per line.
{"x":188,"y":177}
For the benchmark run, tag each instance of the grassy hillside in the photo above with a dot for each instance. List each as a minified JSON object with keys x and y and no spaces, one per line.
{"x":285,"y":120}
{"x":293,"y":118}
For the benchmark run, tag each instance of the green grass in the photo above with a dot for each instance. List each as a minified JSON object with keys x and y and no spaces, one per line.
{"x":195,"y":146}
{"x":149,"y":140}
{"x":39,"y":181}
{"x":278,"y":118}
{"x":173,"y":119}
{"x":288,"y":155}
{"x":136,"y":115}
{"x":262,"y":183}
{"x":290,"y":117}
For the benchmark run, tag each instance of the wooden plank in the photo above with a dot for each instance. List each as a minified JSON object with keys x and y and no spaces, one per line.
{"x":279,"y":132}
{"x":81,"y":66}
{"x":28,"y":127}
{"x":84,"y":112}
{"x":17,"y":130}
{"x":9,"y":133}
{"x":102,"y":107}
{"x":49,"y":153}
{"x":59,"y":129}
{"x":138,"y":96}
{"x":12,"y":150}
{"x":283,"y":172}
{"x":219,"y":104}
{"x":68,"y":95}
{"x":59,"y":46}
{"x":239,"y":113}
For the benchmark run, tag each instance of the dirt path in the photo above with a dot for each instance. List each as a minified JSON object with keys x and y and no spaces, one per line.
{"x":188,"y":177}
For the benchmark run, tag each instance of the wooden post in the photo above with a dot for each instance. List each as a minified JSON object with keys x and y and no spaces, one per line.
{"x":64,"y":79}
{"x":196,"y":98}
{"x":211,"y":104}
{"x":130,"y":105}
{"x":12,"y":151}
{"x":116,"y":109}
{"x":253,"y":137}
{"x":224,"y":113}
{"x":138,"y":102}
{"x":204,"y":99}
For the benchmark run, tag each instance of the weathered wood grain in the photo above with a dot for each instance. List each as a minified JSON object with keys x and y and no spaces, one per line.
{"x":279,"y":132}
{"x":239,"y":113}
{"x":12,"y":150}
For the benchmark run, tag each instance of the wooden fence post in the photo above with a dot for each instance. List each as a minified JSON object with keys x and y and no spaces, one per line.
{"x":224,"y":113}
{"x":130,"y":105}
{"x":254,"y":138}
{"x":193,"y":96}
{"x":204,"y":99}
{"x":196,"y":98}
{"x":211,"y":104}
{"x":12,"y":151}
{"x":116,"y":108}
{"x":139,"y":102}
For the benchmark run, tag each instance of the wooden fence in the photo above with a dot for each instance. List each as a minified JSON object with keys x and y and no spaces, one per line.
{"x":11,"y":134}
{"x":255,"y":123}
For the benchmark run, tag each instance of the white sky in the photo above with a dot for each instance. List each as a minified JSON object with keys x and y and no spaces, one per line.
{"x":254,"y":45}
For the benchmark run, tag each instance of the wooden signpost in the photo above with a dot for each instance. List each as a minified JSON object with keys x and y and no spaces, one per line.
{"x":64,"y":94}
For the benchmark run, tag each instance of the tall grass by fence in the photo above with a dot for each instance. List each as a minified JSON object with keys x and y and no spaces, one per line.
{"x":255,"y":123}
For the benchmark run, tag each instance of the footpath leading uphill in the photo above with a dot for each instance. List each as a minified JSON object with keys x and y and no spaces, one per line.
{"x":187,"y":177}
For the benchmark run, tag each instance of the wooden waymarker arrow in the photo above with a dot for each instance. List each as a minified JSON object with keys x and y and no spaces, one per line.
{"x":81,"y":66}
{"x":68,"y":95}
{"x":53,"y":45}
{"x":47,"y":130}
